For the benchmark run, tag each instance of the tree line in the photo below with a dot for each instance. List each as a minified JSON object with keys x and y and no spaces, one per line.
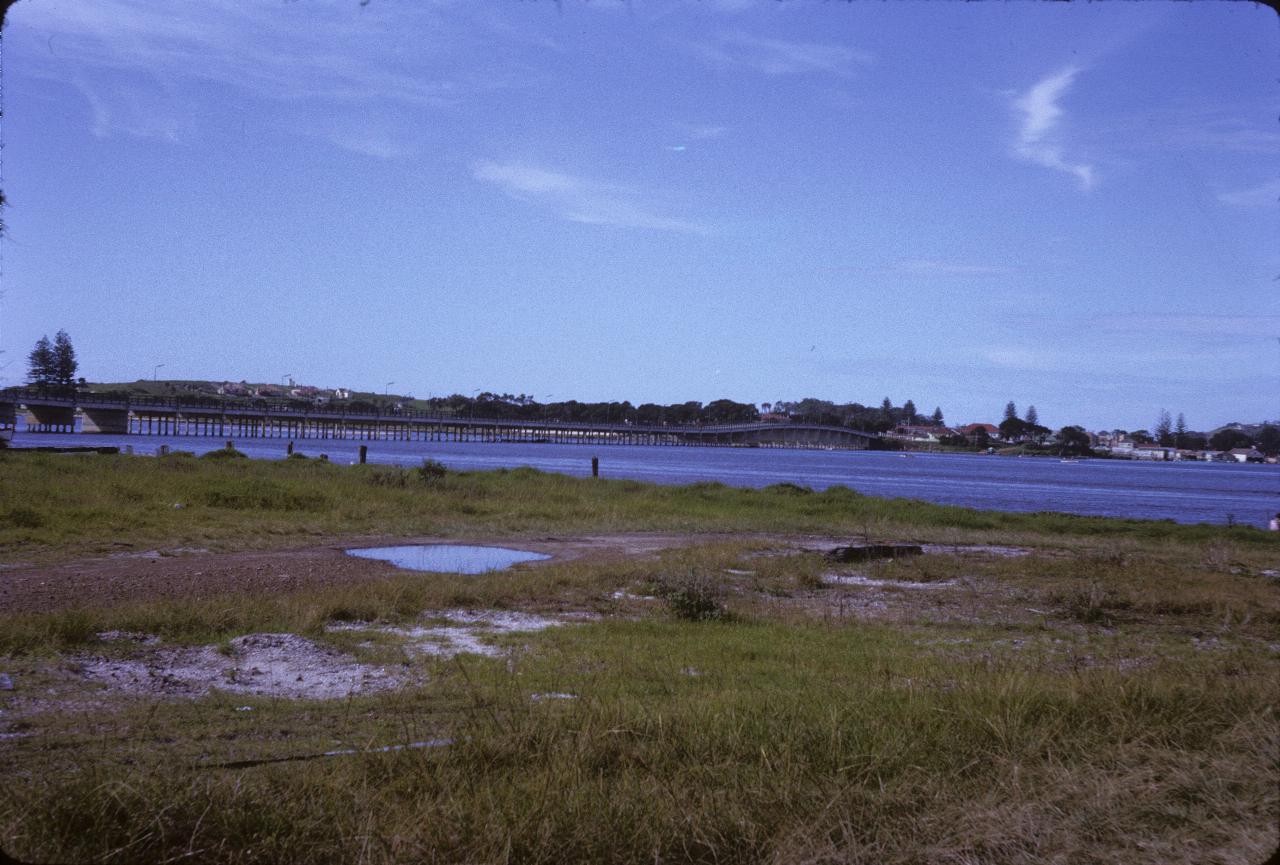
{"x":53,"y":364}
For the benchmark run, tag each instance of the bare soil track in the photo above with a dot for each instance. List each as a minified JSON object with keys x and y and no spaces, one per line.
{"x":152,"y":575}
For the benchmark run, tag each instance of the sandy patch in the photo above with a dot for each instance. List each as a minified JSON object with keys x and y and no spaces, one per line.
{"x":856,"y":580}
{"x":976,"y":550}
{"x":280,"y":665}
{"x":465,"y":631}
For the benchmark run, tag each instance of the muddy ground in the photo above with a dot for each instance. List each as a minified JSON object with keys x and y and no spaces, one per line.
{"x":185,"y":573}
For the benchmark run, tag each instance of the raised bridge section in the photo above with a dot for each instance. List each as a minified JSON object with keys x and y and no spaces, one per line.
{"x":53,"y":412}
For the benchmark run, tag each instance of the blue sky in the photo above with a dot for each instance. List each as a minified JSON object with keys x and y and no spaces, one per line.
{"x":1066,"y":205}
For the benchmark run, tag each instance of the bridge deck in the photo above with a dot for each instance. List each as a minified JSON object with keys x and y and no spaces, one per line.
{"x":54,"y":412}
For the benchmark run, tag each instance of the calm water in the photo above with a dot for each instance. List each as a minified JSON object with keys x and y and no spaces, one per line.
{"x":448,"y":558}
{"x":1185,"y":492}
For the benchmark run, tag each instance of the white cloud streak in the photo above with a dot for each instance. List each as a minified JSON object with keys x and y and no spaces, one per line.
{"x":130,"y":59}
{"x":775,"y":57}
{"x":1234,"y":326}
{"x":935,"y":267}
{"x":1040,"y":113}
{"x":580,"y":199}
{"x":1264,"y":195}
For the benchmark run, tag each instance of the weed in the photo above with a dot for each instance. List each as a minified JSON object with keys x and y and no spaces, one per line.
{"x":224,"y":454}
{"x":1095,"y":605}
{"x":25,"y":518}
{"x":694,"y":595}
{"x":432,"y":471}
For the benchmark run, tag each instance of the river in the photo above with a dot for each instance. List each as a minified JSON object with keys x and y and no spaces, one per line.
{"x":1183,"y":492}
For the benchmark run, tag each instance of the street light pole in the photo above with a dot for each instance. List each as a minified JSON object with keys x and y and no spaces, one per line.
{"x":155,"y":373}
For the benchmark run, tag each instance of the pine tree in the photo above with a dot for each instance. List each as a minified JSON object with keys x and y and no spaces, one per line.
{"x":1010,"y":411}
{"x":1180,"y":431}
{"x":937,"y":415}
{"x":886,"y":408}
{"x":64,"y":360}
{"x":909,"y":411}
{"x":41,"y":363}
{"x":1163,"y":430}
{"x":1032,"y":418}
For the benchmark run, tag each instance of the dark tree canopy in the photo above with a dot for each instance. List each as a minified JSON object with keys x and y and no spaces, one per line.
{"x":1163,"y":430}
{"x":1269,"y":439}
{"x":1229,"y":439}
{"x":42,"y":363}
{"x":1074,"y":440}
{"x":64,"y":360}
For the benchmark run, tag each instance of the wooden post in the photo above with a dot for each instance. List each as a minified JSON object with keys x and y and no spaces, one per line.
{"x":289,"y":450}
{"x":364,"y":452}
{"x":230,"y":445}
{"x":595,"y":467}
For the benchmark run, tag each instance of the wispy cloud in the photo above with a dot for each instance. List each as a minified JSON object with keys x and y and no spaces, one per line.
{"x":1262,"y":195}
{"x":927,"y":267}
{"x":937,"y":267}
{"x":580,"y":199}
{"x":773,"y":57}
{"x":1039,"y":114}
{"x":134,"y":61}
{"x":1234,"y":326}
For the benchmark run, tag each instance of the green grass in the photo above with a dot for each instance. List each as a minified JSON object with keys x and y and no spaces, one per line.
{"x":64,"y":506}
{"x":746,"y":742}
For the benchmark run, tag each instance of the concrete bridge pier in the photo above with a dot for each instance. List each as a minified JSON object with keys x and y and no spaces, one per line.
{"x":105,"y":420}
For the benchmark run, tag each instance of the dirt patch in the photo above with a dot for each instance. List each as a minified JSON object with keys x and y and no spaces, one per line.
{"x":976,"y":550}
{"x":187,"y":573}
{"x":279,"y":665}
{"x":464,"y":631}
{"x":868,"y":582}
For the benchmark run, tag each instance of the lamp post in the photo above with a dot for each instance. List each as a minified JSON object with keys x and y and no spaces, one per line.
{"x":284,"y":379}
{"x":155,"y":373}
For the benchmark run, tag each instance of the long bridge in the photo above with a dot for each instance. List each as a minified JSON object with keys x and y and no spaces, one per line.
{"x":47,"y":411}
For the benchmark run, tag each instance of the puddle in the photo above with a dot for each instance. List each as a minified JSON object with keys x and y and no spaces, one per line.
{"x":449,"y":558}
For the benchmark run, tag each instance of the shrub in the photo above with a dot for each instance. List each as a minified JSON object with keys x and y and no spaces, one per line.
{"x":25,"y":518}
{"x":297,"y":455}
{"x":788,"y":489}
{"x":694,"y":596}
{"x":224,"y":454}
{"x":388,"y":478}
{"x":431,"y":471}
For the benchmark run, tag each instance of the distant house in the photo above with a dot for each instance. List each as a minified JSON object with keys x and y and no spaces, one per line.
{"x":1152,"y":452}
{"x":920,"y":432}
{"x":971,"y":431}
{"x":341,"y":393}
{"x":1247,"y":455}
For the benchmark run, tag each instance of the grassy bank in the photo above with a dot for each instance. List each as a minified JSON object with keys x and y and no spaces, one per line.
{"x":63,"y":505}
{"x":1108,"y":695}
